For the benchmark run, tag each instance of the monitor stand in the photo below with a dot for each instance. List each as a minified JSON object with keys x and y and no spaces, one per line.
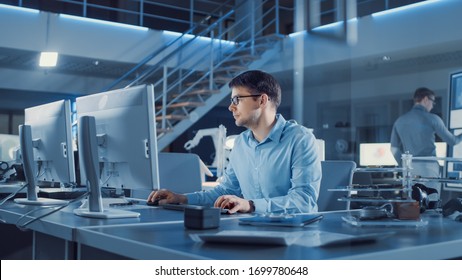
{"x":88,"y":155}
{"x":105,"y":214}
{"x":26,"y":143}
{"x":40,"y":201}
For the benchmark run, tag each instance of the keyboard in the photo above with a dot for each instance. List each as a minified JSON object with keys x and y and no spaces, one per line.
{"x":62,"y":193}
{"x":181,"y":207}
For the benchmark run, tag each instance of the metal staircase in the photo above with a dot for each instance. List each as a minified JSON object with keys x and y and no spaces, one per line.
{"x":190,"y":74}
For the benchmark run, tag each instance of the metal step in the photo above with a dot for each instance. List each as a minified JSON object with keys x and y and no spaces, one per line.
{"x":182,"y":104}
{"x":241,"y":59}
{"x":172,"y":117}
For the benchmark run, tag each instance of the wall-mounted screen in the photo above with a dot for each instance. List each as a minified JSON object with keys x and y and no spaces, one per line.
{"x":454,"y":169}
{"x":455,"y":91}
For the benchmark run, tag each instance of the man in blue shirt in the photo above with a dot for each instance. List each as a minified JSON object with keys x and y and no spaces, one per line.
{"x":274,"y":165}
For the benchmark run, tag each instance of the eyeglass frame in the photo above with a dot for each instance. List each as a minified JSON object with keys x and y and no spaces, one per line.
{"x":433,"y":100}
{"x":235,"y":99}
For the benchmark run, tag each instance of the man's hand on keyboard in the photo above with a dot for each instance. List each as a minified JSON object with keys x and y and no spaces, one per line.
{"x":164,"y":196}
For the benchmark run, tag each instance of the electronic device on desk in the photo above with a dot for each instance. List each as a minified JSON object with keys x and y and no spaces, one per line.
{"x":46,"y":150}
{"x":117,"y":145}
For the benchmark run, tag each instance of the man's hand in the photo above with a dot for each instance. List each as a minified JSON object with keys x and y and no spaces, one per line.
{"x":164,"y":196}
{"x":234,"y":204}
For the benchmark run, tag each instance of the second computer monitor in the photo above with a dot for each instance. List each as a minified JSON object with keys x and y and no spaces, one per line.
{"x":126,"y":132}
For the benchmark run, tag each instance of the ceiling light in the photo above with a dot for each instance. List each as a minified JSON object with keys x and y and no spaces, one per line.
{"x":48,"y":59}
{"x":386,"y":58}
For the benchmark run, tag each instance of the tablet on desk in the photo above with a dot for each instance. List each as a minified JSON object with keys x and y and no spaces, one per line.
{"x":299,"y":220}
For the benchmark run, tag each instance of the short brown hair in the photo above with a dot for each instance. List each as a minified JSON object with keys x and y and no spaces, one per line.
{"x":421,"y":93}
{"x":257,"y":82}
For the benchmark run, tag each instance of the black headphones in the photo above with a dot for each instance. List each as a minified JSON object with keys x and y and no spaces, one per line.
{"x":420,"y":193}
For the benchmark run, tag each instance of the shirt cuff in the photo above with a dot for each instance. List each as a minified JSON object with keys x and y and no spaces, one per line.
{"x":193,"y":198}
{"x":260,"y":205}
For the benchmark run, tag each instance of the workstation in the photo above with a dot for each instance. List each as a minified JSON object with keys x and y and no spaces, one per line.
{"x":85,"y":156}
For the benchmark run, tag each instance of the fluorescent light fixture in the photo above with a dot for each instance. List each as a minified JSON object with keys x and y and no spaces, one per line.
{"x":21,"y":9}
{"x":298,"y":33}
{"x":48,"y":59}
{"x":406,"y":7}
{"x":324,"y":27}
{"x":103,"y":22}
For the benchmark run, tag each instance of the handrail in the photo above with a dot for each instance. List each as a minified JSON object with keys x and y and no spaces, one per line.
{"x":166,"y":58}
{"x":159,"y":64}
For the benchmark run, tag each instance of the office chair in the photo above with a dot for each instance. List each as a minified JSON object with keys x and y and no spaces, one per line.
{"x":335,"y":173}
{"x":178,"y":172}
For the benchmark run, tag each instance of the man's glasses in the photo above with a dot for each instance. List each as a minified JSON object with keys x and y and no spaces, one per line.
{"x":235,"y":99}
{"x":432,"y":100}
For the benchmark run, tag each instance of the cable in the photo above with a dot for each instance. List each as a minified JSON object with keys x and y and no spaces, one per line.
{"x":12,"y":194}
{"x":23,"y":226}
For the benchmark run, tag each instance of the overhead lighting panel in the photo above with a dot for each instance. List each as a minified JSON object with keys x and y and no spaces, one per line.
{"x":48,"y":59}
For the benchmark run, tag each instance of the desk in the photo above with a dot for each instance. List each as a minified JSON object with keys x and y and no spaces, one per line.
{"x":440,"y":239}
{"x":160,"y":234}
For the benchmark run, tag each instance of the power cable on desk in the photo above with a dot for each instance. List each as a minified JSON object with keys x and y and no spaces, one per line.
{"x":12,"y":194}
{"x":23,"y":226}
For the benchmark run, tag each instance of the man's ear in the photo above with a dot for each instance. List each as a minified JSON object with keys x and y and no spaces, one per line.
{"x":264,"y":99}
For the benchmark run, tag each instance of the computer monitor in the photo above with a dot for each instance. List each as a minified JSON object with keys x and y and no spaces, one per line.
{"x":376,"y":154}
{"x":121,"y":124}
{"x":46,"y":149}
{"x":379,"y":154}
{"x":455,"y":92}
{"x":454,"y":168}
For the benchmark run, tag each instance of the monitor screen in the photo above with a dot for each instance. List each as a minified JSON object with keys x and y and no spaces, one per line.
{"x":376,"y":154}
{"x":52,"y":143}
{"x":379,"y":154}
{"x":454,"y":169}
{"x":127,"y":143}
{"x":455,"y":91}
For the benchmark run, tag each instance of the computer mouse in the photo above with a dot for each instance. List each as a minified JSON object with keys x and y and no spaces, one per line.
{"x":153,"y":203}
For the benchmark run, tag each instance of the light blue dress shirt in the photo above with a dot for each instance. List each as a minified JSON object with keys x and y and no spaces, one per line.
{"x":282,"y":173}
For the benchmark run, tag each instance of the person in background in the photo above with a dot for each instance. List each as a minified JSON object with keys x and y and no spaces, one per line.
{"x":415,"y":131}
{"x":274,"y":165}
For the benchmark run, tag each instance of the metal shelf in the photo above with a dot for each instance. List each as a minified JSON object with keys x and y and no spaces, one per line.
{"x":379,"y":169}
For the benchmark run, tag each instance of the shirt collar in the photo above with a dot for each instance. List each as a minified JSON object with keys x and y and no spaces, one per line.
{"x":420,"y":107}
{"x":275,"y":133}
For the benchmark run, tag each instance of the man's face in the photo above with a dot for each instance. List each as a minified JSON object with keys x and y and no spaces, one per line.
{"x":246,"y":110}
